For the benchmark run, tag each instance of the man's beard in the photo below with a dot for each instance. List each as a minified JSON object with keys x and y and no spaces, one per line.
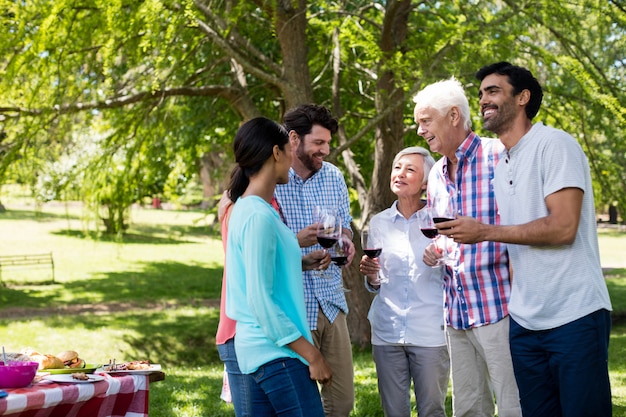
{"x":502,"y":120}
{"x":307,"y":160}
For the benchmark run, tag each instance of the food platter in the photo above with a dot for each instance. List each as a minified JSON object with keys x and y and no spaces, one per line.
{"x":67,"y":378}
{"x":153,"y":367}
{"x":88,"y":369}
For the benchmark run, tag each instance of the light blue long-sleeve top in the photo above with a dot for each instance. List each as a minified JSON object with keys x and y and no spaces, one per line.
{"x":264,"y":291}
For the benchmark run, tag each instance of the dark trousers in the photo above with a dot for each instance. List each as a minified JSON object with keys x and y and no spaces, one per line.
{"x":564,"y":371}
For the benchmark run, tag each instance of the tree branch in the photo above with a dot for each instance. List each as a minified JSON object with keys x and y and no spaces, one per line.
{"x":235,"y":39}
{"x":228,"y":93}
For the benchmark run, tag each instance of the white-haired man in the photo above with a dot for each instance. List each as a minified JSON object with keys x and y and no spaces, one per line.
{"x":477,"y":286}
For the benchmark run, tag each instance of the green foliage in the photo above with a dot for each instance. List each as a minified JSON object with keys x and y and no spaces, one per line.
{"x":171,"y":81}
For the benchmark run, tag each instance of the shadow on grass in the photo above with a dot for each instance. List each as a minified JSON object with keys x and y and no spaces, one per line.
{"x":616,"y":283}
{"x":126,"y":238}
{"x":138,"y":232}
{"x":197,"y":231}
{"x":153,"y":282}
{"x":614,"y":273}
{"x":617,"y":365}
{"x":613,"y":232}
{"x":173,"y":340}
{"x":36,"y":215}
{"x":167,"y":397}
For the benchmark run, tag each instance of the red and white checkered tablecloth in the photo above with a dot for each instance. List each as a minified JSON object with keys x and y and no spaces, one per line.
{"x":115,"y":396}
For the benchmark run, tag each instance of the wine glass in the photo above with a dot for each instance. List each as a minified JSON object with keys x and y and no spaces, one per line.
{"x":444,"y":209}
{"x":339,"y":256}
{"x":316,"y":214}
{"x":372,"y":244}
{"x":328,"y":228}
{"x":428,"y":228}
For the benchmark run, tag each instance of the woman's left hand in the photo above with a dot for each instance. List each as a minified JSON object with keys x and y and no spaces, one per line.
{"x":318,"y":259}
{"x":348,"y":249}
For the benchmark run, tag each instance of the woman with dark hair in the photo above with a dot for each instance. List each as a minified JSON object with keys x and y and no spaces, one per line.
{"x":264,"y":293}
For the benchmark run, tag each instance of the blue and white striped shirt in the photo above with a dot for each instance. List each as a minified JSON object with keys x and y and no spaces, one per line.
{"x":297,"y":199}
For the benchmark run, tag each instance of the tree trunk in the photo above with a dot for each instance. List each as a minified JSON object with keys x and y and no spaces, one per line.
{"x":389,"y":134}
{"x":214,"y":174}
{"x":359,"y":298}
{"x":291,"y":23}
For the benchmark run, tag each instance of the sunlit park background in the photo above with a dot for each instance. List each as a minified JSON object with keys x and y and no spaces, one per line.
{"x":109,"y":110}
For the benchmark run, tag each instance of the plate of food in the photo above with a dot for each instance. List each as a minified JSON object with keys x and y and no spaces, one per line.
{"x":89,"y":368}
{"x":74,"y":378}
{"x":133,"y":367}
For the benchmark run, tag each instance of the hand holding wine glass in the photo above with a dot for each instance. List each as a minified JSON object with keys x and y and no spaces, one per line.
{"x":428,"y":228}
{"x":328,"y":228}
{"x":372,"y":244}
{"x":444,"y":209}
{"x":338,"y":253}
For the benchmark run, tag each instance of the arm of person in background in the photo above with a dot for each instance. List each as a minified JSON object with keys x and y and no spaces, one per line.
{"x":319,"y":370}
{"x":223,"y":206}
{"x":557,"y":228}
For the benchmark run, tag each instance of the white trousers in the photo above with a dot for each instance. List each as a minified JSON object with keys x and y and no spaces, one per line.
{"x":482,"y":368}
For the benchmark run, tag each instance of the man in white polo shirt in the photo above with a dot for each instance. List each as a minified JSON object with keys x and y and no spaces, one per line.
{"x":559,"y":305}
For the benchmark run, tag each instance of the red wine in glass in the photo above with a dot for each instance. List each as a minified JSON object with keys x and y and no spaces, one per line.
{"x":326,"y":242}
{"x":328,"y":227}
{"x":430,"y":233}
{"x":373,"y":252}
{"x":371,"y":242}
{"x":339,"y":260}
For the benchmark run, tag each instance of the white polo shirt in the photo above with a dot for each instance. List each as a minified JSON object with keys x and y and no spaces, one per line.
{"x":551,"y":285}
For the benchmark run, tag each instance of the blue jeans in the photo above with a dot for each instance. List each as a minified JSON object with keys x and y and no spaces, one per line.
{"x":289,"y":390}
{"x":564,"y":371}
{"x":243,"y":389}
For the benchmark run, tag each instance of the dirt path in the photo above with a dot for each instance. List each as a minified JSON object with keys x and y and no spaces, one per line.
{"x":99,"y":308}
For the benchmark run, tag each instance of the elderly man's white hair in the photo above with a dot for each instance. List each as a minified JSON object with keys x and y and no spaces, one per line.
{"x":442,"y":96}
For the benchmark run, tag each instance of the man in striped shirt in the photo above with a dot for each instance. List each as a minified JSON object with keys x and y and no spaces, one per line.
{"x":477,"y":286}
{"x":313,"y":182}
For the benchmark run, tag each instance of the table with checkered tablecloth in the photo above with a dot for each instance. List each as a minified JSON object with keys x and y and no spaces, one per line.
{"x":114,"y":396}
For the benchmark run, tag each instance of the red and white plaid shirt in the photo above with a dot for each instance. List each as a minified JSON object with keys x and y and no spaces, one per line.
{"x":477,"y":289}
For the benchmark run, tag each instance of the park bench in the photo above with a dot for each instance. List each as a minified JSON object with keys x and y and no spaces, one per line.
{"x":41,"y":260}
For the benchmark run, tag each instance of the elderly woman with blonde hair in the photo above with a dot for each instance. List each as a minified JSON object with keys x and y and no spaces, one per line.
{"x":406,"y":316}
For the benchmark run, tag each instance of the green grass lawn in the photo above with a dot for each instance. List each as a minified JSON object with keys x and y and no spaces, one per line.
{"x":154,"y":296}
